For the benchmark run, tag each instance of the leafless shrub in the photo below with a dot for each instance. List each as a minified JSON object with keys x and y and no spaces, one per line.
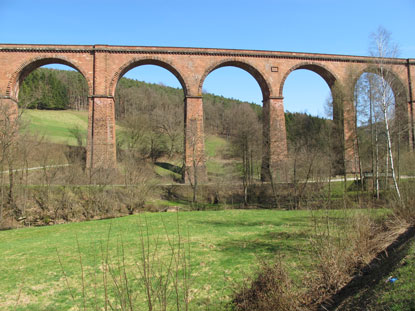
{"x":341,"y":247}
{"x":139,"y":182}
{"x":271,"y":289}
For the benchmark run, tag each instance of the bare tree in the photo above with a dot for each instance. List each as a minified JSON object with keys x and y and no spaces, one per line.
{"x":366,"y":97}
{"x":139,"y":183}
{"x":168,"y":120}
{"x":193,"y":172}
{"x":9,"y":127}
{"x":245,"y":139}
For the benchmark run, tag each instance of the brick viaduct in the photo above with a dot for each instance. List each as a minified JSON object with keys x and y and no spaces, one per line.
{"x":103,"y":65}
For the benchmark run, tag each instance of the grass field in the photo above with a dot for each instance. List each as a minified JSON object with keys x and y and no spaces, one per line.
{"x":55,"y":125}
{"x":224,"y":246}
{"x":214,"y":144}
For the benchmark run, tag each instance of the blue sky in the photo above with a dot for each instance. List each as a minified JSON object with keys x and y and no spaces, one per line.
{"x":320,"y":26}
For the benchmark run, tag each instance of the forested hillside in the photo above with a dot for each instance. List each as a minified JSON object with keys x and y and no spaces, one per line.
{"x":153,"y":104}
{"x":54,"y":89}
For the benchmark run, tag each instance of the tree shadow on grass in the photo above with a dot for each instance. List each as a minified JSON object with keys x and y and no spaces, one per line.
{"x":238,"y":223}
{"x":168,"y":166}
{"x":291,"y":222}
{"x":361,"y":292}
{"x":268,"y":243}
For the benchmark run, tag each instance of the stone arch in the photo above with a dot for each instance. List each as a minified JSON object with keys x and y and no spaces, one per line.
{"x":319,"y":69}
{"x":341,"y":123}
{"x":28,"y":66}
{"x":400,"y":91}
{"x":234,"y":62}
{"x":136,"y":62}
{"x":401,"y":96}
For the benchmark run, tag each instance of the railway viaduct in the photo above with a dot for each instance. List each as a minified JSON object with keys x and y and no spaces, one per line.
{"x":103,"y":66}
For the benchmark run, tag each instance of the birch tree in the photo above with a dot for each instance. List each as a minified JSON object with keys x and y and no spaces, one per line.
{"x":383,"y":48}
{"x":369,"y":117}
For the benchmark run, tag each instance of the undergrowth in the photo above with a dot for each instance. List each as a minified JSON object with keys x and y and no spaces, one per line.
{"x":340,"y":248}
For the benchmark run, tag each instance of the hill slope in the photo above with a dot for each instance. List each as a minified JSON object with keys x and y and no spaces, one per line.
{"x":56,"y":126}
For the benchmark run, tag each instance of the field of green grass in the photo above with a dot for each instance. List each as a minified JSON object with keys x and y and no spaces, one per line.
{"x":224,"y":247}
{"x":55,"y":125}
{"x":214,"y":145}
{"x":216,"y":165}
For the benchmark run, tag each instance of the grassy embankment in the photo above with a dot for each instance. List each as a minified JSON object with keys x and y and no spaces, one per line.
{"x":398,"y":295}
{"x":224,"y":246}
{"x":55,"y":125}
{"x":395,"y":295}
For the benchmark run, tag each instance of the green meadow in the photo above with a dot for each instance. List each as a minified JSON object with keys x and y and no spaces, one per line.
{"x":224,"y":246}
{"x":55,"y":125}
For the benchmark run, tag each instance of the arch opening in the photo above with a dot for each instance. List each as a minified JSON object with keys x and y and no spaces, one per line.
{"x":382,"y":118}
{"x":149,"y":109}
{"x":52,"y":94}
{"x":314,"y":122}
{"x":232,"y":104}
{"x":54,"y":97}
{"x":51,"y":119}
{"x":29,"y":67}
{"x":256,"y":74}
{"x":131,"y":66}
{"x":314,"y":95}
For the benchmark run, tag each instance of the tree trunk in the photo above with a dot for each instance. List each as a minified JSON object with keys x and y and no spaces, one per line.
{"x":377,"y":161}
{"x":395,"y":182}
